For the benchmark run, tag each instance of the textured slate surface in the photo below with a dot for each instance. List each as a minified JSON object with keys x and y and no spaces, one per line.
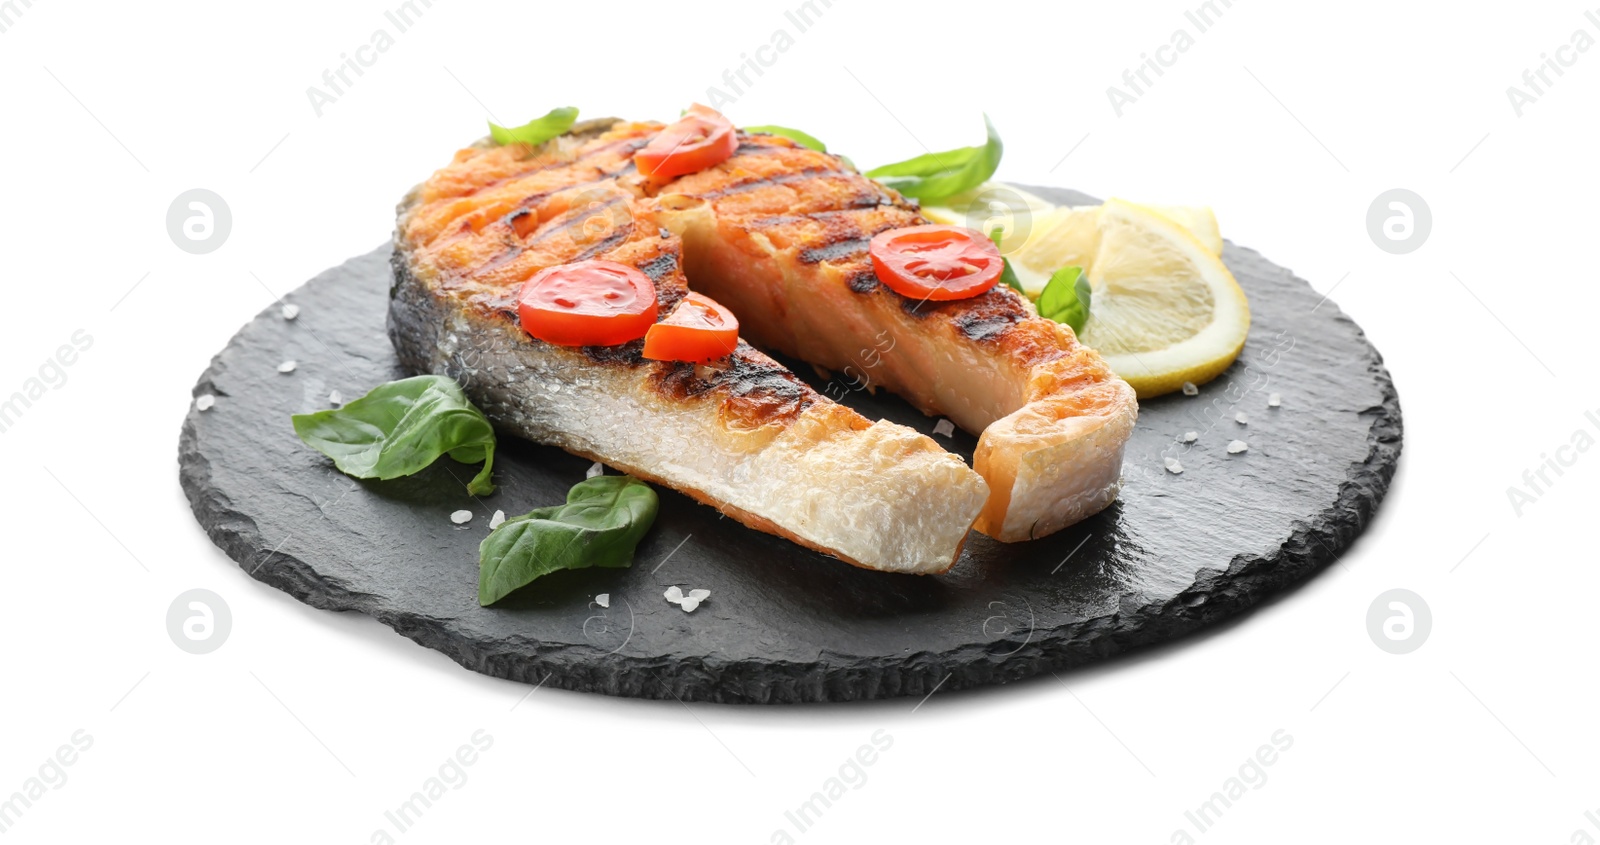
{"x":784,"y":624}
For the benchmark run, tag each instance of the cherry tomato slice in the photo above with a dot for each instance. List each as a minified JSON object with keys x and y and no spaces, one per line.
{"x":936,"y":262}
{"x":588,"y":303}
{"x":702,"y":138}
{"x":697,"y":331}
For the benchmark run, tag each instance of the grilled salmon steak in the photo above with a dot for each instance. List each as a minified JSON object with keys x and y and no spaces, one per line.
{"x":742,"y":434}
{"x":779,"y":234}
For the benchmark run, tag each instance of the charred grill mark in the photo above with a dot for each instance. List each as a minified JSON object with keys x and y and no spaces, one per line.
{"x":982,"y":327}
{"x":759,"y":391}
{"x":577,"y":218}
{"x":660,"y":267}
{"x":505,"y":257}
{"x":851,"y":206}
{"x":527,"y":203}
{"x":986,"y":316}
{"x":843,"y":245}
{"x":631,"y":144}
{"x":630,"y":354}
{"x":780,"y":179}
{"x":611,"y":240}
{"x":751,"y":145}
{"x":863,"y":281}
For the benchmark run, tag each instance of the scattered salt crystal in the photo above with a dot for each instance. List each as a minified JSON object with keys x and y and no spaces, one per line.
{"x":1191,"y":436}
{"x":204,"y":402}
{"x":687,"y":602}
{"x":598,"y":469}
{"x":290,"y":311}
{"x":944,"y":427}
{"x":604,"y":599}
{"x":286,"y":367}
{"x":497,"y":520}
{"x":553,"y":387}
{"x":461,"y":517}
{"x":1241,"y":418}
{"x":1274,"y":400}
{"x":1190,"y":390}
{"x":335,"y":398}
{"x":664,"y":232}
{"x":1174,"y":467}
{"x":1237,"y":446}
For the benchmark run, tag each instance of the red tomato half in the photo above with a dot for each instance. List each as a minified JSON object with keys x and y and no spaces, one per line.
{"x":700,"y":139}
{"x":697,"y":331}
{"x":588,"y":303}
{"x":936,"y":262}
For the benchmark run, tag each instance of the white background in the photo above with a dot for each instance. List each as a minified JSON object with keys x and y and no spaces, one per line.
{"x":1288,"y":119}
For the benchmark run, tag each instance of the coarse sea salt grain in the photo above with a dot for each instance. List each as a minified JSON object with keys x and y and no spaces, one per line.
{"x":1190,"y":390}
{"x":688,"y":602}
{"x":597,"y":470}
{"x":604,"y":599}
{"x":1274,"y":400}
{"x":944,"y":427}
{"x":1191,"y":436}
{"x":1174,"y":467}
{"x":286,"y":367}
{"x":1241,"y":418}
{"x":461,"y":517}
{"x":204,"y":402}
{"x":335,"y":398}
{"x":290,"y":311}
{"x":497,"y":520}
{"x":1237,"y":446}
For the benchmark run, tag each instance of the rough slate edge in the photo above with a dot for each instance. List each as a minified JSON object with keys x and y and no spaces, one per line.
{"x":1214,"y":596}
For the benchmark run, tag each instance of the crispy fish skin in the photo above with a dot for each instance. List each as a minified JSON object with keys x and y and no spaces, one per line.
{"x":779,"y":234}
{"x":743,"y":434}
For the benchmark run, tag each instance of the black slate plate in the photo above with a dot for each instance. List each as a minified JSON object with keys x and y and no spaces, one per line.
{"x":784,"y":624}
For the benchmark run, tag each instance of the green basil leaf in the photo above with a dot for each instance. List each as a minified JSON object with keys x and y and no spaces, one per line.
{"x":538,"y":130}
{"x":600,"y":525}
{"x":1065,"y":298}
{"x":402,"y":427}
{"x":1008,"y":276}
{"x":934,"y":176}
{"x":810,"y":142}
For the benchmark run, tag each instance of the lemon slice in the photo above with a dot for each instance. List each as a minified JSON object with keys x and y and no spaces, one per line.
{"x":1198,"y":219}
{"x":1165,"y":310}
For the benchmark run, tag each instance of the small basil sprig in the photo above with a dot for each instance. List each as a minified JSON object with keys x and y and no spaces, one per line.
{"x":1065,"y":298}
{"x":538,"y":130}
{"x":1008,"y":276}
{"x":402,"y":427}
{"x":810,"y":142}
{"x":935,"y":176}
{"x":600,"y":525}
